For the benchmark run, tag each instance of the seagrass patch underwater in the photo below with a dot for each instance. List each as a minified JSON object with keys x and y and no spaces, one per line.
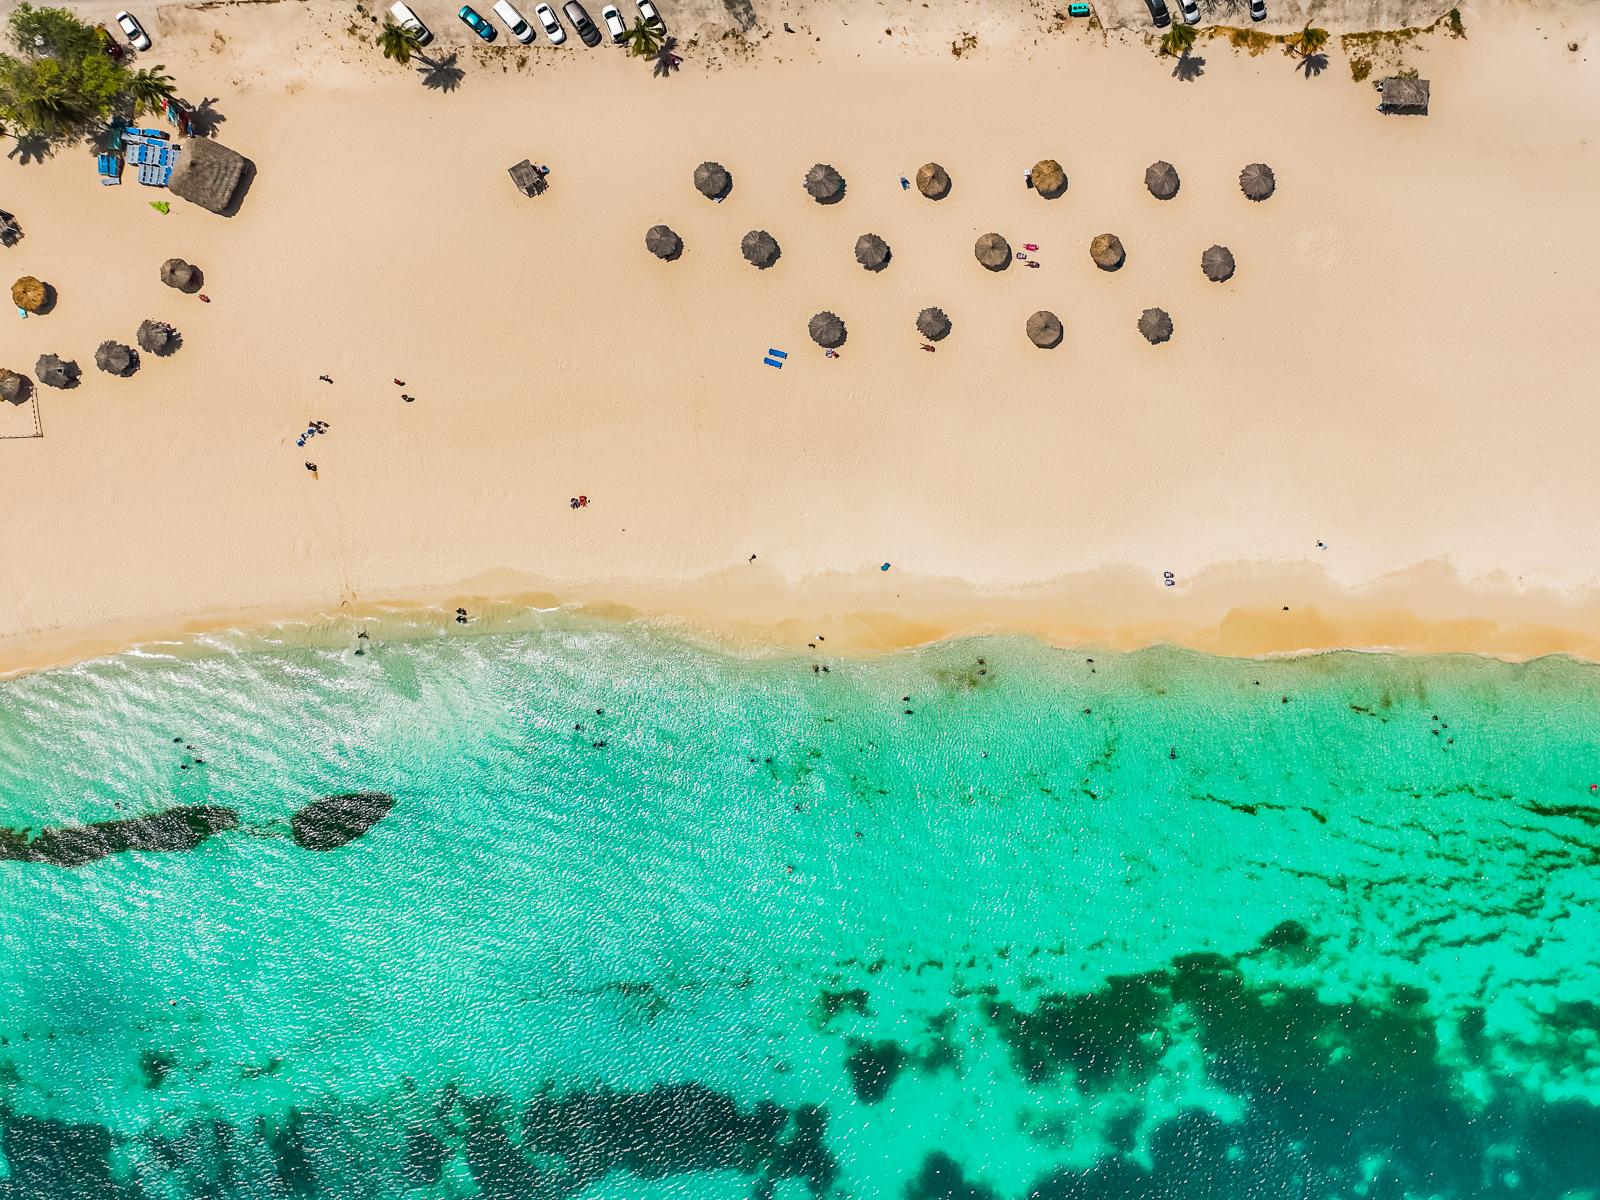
{"x":595,"y":912}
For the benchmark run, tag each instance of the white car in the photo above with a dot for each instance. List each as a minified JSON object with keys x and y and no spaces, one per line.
{"x":651,"y":17}
{"x":1190,"y":11}
{"x":513,"y":21}
{"x":137,"y":37}
{"x":410,"y":22}
{"x":552,"y":24}
{"x":614,"y":25}
{"x":1258,"y":10}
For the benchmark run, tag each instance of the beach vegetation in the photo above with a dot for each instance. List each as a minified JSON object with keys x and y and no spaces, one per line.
{"x":62,"y":85}
{"x":643,"y":40}
{"x":1252,"y":41}
{"x":1453,"y":23}
{"x":398,"y":44}
{"x":1179,"y":39}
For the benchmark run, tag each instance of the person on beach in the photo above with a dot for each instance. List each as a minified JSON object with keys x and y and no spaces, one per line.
{"x":312,"y":467}
{"x":325,"y":378}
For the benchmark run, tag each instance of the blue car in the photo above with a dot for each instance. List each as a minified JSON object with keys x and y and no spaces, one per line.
{"x":477,"y":24}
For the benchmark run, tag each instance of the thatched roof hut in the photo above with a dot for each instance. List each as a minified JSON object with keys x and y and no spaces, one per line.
{"x":711,"y":180}
{"x":872,"y":252}
{"x":933,"y":181}
{"x":154,"y":337}
{"x":207,"y":174}
{"x":993,"y":251}
{"x":1161,"y":178}
{"x":933,"y":324}
{"x":55,"y":371}
{"x":1107,"y":251}
{"x":760,"y":248}
{"x":1156,"y":325}
{"x":826,"y":330}
{"x":13,"y":387}
{"x":28,"y":294}
{"x":1217,"y":263}
{"x":176,"y":273}
{"x":1044,"y":330}
{"x":1049,"y":180}
{"x":663,"y":243}
{"x":824,"y":184}
{"x":1257,"y":182}
{"x":115,"y":359}
{"x":1399,"y":94}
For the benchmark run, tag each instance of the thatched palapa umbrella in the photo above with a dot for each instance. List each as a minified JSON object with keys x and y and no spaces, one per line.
{"x":55,"y":371}
{"x":933,"y":324}
{"x":28,"y":294}
{"x":1155,"y":325}
{"x":826,"y":330}
{"x":1161,"y":178}
{"x":760,"y":248}
{"x":176,"y":273}
{"x":872,"y":252}
{"x":115,"y":359}
{"x":1107,"y":251}
{"x":1044,"y":329}
{"x":1217,"y":263}
{"x":993,"y":251}
{"x":824,"y":184}
{"x":711,"y":180}
{"x":154,"y":336}
{"x":13,"y":387}
{"x":663,"y":243}
{"x":933,"y":181}
{"x":1049,"y":180}
{"x":1256,"y":181}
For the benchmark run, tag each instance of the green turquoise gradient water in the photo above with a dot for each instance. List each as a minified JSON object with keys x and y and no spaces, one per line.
{"x":985,"y":921}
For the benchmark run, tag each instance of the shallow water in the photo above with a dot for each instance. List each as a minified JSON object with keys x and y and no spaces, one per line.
{"x":648,"y":921}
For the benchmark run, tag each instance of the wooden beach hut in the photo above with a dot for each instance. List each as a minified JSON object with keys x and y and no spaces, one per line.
{"x":1402,"y":95}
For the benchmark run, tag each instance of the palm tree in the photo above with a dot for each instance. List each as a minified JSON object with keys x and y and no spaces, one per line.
{"x":1179,"y":40}
{"x":150,"y":90}
{"x":644,"y":39}
{"x":397,"y":44}
{"x":1307,"y":42}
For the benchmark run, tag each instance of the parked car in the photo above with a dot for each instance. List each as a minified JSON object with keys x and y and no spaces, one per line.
{"x":651,"y":17}
{"x":137,"y":37}
{"x":1258,"y":10}
{"x":578,"y":18}
{"x":1159,"y":16}
{"x":516,"y":25}
{"x":614,"y":25}
{"x":1190,"y":11}
{"x":410,"y":22}
{"x":471,"y":18}
{"x":552,"y":24}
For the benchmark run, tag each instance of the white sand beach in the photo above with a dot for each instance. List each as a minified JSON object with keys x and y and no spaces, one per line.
{"x":1400,"y":369}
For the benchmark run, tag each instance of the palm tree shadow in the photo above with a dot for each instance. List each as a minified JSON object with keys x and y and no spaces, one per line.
{"x":30,"y":147}
{"x":441,"y":75}
{"x":204,"y":119}
{"x":1314,"y":64}
{"x":1189,"y":68}
{"x":666,"y":61}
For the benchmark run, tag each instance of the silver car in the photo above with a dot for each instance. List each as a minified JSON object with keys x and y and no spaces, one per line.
{"x":137,"y":37}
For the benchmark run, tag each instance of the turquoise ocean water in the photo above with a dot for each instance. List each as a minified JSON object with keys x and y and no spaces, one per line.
{"x":987,"y":921}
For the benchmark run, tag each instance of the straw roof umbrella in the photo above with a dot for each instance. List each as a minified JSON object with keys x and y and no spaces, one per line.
{"x":993,"y":251}
{"x":711,"y":180}
{"x":13,"y":387}
{"x":1044,"y":330}
{"x":760,"y":248}
{"x":824,"y":184}
{"x":115,"y":359}
{"x":154,"y":336}
{"x":826,"y":330}
{"x":1107,"y":251}
{"x":1049,"y":180}
{"x":176,"y":273}
{"x":1256,"y":181}
{"x":28,"y":294}
{"x":1161,"y":178}
{"x":663,"y":243}
{"x":1155,"y":325}
{"x":1217,"y":263}
{"x":872,"y":252}
{"x":52,"y":369}
{"x":933,"y":324}
{"x":933,"y":181}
